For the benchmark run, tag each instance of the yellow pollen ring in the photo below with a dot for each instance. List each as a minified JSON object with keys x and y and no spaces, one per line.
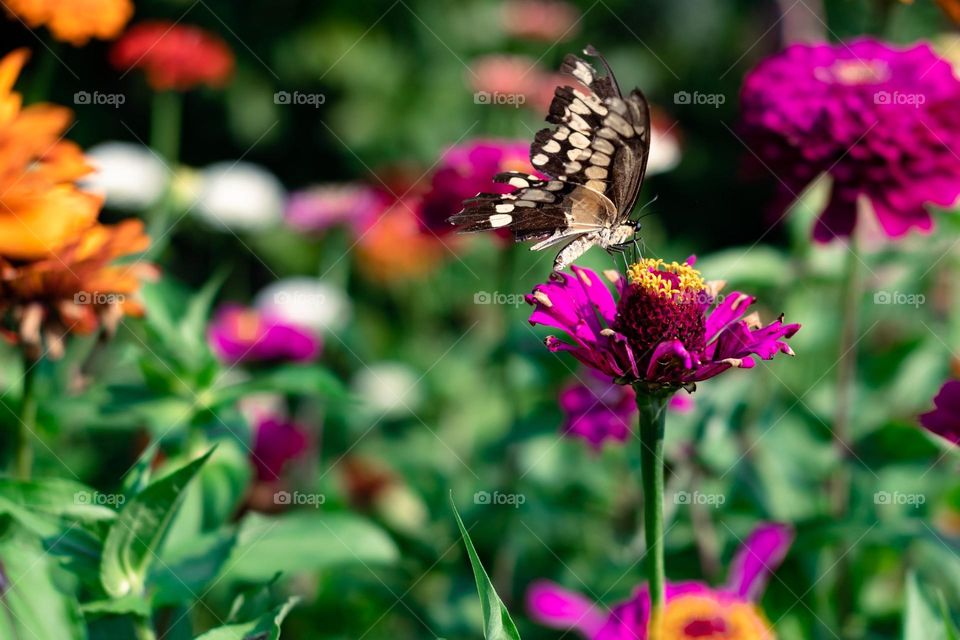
{"x":648,"y":274}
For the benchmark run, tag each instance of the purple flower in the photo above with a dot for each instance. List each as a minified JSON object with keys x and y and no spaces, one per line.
{"x":324,"y":206}
{"x":465,"y":171}
{"x":693,"y":610}
{"x":883,"y":122}
{"x":664,"y":330}
{"x":944,"y":420}
{"x":275,"y":443}
{"x":596,"y":409}
{"x":239,"y":334}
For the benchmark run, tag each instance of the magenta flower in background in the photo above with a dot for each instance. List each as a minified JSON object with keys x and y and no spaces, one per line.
{"x":321,"y":207}
{"x":693,"y":610}
{"x":465,"y":171}
{"x":544,"y":20}
{"x":276,"y":442}
{"x":240,"y":334}
{"x":883,"y":122}
{"x":668,"y":328}
{"x":596,"y":409}
{"x":944,"y":420}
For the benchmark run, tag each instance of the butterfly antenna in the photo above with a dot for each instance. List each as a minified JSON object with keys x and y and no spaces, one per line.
{"x":590,"y":50}
{"x":655,"y":198}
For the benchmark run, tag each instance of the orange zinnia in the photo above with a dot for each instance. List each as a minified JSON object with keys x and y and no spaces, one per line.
{"x":56,"y":260}
{"x":74,"y":21}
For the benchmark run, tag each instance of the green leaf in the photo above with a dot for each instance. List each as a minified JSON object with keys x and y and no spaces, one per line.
{"x":951,"y":628}
{"x":33,"y":607}
{"x":138,"y":476}
{"x":129,"y":605}
{"x":185,"y":572}
{"x":498,"y":625}
{"x":267,"y":627}
{"x":293,"y":379}
{"x":922,"y":620}
{"x":306,"y":541}
{"x":133,"y":540}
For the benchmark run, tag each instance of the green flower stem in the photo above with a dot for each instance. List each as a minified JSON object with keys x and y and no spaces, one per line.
{"x":652,"y":419}
{"x":166,"y":114}
{"x":23,"y":462}
{"x":165,"y":132}
{"x":143,"y":630}
{"x":846,"y":378}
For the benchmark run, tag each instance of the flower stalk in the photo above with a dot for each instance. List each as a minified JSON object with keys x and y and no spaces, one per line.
{"x":652,"y":420}
{"x":23,"y":457}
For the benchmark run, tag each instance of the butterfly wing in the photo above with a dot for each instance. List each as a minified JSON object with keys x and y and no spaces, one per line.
{"x":601,"y":140}
{"x":536,"y":209}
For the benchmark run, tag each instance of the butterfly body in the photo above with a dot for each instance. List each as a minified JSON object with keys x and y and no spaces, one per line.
{"x":596,"y":154}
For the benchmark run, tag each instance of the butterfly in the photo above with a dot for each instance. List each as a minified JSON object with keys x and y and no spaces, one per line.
{"x":596,"y":156}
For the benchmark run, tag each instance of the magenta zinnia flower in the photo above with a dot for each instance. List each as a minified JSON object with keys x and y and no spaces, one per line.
{"x":276,"y":442}
{"x":693,"y":610}
{"x":324,"y":206}
{"x":465,"y":171}
{"x":239,"y":334}
{"x":944,"y":420}
{"x":883,"y":122}
{"x":667,"y":329}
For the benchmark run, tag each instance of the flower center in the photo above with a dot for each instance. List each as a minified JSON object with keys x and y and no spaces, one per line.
{"x":854,"y":72}
{"x":705,"y":617}
{"x":662,"y":302}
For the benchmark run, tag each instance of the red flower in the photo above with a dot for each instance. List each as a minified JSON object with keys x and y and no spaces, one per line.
{"x":174,"y":56}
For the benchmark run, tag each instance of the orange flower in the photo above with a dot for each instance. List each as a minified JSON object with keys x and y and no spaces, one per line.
{"x":74,"y":21}
{"x":394,"y":247}
{"x":56,"y":261}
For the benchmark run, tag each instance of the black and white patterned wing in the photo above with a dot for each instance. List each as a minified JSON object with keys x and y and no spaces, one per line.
{"x":536,"y":209}
{"x":601,"y":140}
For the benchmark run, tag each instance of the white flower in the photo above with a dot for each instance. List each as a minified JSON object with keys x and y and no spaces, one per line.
{"x":390,"y":389}
{"x":239,"y":195}
{"x":664,"y":149}
{"x":307,"y":302}
{"x":130,"y":176}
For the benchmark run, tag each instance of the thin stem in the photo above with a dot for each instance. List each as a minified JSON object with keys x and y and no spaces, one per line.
{"x":165,"y":133}
{"x":846,"y":378}
{"x":143,"y":629}
{"x":27,"y":426}
{"x":652,"y":420}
